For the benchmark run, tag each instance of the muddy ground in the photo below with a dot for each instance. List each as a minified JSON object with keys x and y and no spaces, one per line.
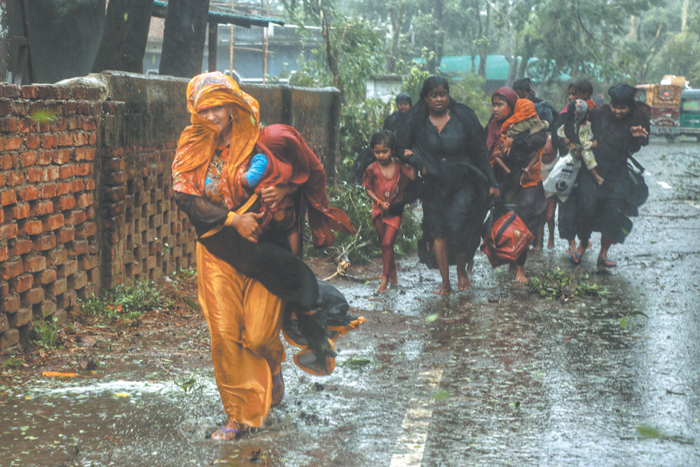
{"x":494,"y":376}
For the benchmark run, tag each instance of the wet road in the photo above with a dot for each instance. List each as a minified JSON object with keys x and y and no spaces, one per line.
{"x":495,"y":376}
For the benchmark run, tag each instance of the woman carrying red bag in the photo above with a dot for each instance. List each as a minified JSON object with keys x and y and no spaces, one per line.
{"x":519,"y":185}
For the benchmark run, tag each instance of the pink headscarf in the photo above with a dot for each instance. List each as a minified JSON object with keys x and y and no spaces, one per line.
{"x":493,"y":130}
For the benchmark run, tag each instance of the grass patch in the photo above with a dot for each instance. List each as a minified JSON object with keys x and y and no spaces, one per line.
{"x":125,"y":302}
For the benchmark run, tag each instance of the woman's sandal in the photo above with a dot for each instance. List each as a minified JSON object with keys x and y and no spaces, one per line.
{"x":576,"y":261}
{"x":226,"y":431}
{"x":606,"y":263}
{"x":278,"y":381}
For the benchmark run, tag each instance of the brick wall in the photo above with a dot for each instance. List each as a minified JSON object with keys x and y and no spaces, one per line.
{"x":48,"y":232}
{"x":86,"y":190}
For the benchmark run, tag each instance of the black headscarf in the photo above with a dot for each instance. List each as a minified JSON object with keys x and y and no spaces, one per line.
{"x":403,"y":97}
{"x":522,"y":84}
{"x":622,"y":94}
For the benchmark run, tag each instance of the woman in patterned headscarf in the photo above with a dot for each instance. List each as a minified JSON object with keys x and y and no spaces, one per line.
{"x":250,"y":285}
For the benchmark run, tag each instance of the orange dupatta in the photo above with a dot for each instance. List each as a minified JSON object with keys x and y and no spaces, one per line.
{"x":524,"y":109}
{"x":197,"y":142}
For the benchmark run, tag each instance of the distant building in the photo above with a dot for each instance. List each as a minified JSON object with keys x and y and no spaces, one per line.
{"x":384,"y":87}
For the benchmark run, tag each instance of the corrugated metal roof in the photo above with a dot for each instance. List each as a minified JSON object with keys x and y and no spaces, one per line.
{"x":223,"y":15}
{"x":496,"y":66}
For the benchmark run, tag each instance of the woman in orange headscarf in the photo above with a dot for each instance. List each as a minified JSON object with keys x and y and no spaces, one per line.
{"x":250,"y":285}
{"x":517,"y":137}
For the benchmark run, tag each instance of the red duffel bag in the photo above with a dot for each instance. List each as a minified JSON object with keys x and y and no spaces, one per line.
{"x":506,"y":238}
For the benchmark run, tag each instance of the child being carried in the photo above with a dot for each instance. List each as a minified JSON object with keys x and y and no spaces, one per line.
{"x":577,"y":134}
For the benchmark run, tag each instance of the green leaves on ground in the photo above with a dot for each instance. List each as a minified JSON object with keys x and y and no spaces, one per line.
{"x":356,"y":363}
{"x":125,"y":302}
{"x":46,"y":333}
{"x":561,"y":285}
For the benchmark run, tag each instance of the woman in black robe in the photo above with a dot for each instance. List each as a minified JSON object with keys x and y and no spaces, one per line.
{"x":445,"y":141}
{"x":620,"y":129}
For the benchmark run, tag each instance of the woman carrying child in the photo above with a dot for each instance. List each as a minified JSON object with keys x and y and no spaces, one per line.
{"x":447,"y":139}
{"x":515,"y":139}
{"x":384,"y":182}
{"x":250,"y":284}
{"x":620,"y":129}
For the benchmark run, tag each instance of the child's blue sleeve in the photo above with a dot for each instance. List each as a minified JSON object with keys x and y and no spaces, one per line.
{"x":257,"y":169}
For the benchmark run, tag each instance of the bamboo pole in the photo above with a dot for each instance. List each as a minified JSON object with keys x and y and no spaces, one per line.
{"x":230,"y":57}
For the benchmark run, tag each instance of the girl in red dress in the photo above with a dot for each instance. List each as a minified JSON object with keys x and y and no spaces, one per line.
{"x":384,"y":182}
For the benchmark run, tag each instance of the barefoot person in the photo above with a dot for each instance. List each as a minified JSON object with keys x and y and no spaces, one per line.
{"x":448,"y":139}
{"x":520,"y":180}
{"x":384,"y":182}
{"x":245,"y":276}
{"x":620,"y":129}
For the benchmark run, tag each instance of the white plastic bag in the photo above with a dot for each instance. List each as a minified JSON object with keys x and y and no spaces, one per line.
{"x":562,"y":177}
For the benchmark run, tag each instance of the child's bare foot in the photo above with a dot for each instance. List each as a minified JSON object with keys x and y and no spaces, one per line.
{"x":382,"y":285}
{"x":470,"y":266}
{"x":537,"y":247}
{"x":463,"y":282}
{"x":520,"y":275}
{"x":393,"y":278}
{"x":445,"y":289}
{"x":550,"y":244}
{"x":512,"y":268}
{"x":227,"y":432}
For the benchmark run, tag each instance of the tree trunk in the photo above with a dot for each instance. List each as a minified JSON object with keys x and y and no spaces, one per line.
{"x":124,"y":36}
{"x":438,"y":12}
{"x":396,"y":18}
{"x":508,"y":50}
{"x":184,"y":36}
{"x":684,"y":15}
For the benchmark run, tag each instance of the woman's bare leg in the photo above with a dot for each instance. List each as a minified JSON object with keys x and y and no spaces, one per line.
{"x":463,"y":281}
{"x":440,"y":249}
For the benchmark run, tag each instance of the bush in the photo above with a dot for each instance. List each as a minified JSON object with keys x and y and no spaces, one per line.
{"x":46,"y":333}
{"x":124,"y":302}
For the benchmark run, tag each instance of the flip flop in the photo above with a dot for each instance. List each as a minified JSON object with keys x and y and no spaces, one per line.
{"x":225,"y":431}
{"x":606,"y":263}
{"x":576,"y":261}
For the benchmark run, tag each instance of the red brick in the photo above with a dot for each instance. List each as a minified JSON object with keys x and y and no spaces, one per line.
{"x":27,"y":125}
{"x":83,"y":169}
{"x":42,"y":208}
{"x":12,"y":144}
{"x":85,"y":230}
{"x":53,"y":222}
{"x":65,"y":139}
{"x":61,"y":156}
{"x":79,"y":247}
{"x":81,"y":139}
{"x":44,"y":157}
{"x":45,"y":309}
{"x":58,"y":287}
{"x":7,"y":161}
{"x":49,"y":141}
{"x":9,"y":339}
{"x":34,"y":264}
{"x":4,"y":253}
{"x":45,"y":242}
{"x":12,"y":90}
{"x":30,"y":92}
{"x":35,"y":174}
{"x":10,"y":304}
{"x":84,"y":200}
{"x":3,"y":181}
{"x":29,"y":193}
{"x":32,"y":228}
{"x":15,"y":178}
{"x":78,"y":185}
{"x":113,"y":165}
{"x":22,"y":283}
{"x":21,"y":246}
{"x":45,"y":277}
{"x":70,"y":267}
{"x":9,"y":125}
{"x":10,"y":269}
{"x":8,"y":231}
{"x":74,"y":123}
{"x":89,"y":184}
{"x":57,"y":257}
{"x":45,"y":127}
{"x":22,"y":317}
{"x":48,"y":190}
{"x":8,"y":197}
{"x":114,"y":178}
{"x":51,"y":173}
{"x":63,"y":204}
{"x":92,"y":139}
{"x":63,"y":188}
{"x":67,"y":171}
{"x":61,"y":124}
{"x":77,"y":280}
{"x":33,"y":296}
{"x":32,"y":141}
{"x":65,"y":235}
{"x":87,"y":262}
{"x":89,"y":125}
{"x":18,"y":211}
{"x":76,"y":217}
{"x":27,"y":158}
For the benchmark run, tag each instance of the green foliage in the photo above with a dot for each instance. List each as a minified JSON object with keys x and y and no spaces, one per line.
{"x":561,"y":285}
{"x":12,"y":362}
{"x":125,"y":302}
{"x":466,"y":88}
{"x":46,"y":333}
{"x":413,"y":81}
{"x":362,"y":246}
{"x":681,"y":57}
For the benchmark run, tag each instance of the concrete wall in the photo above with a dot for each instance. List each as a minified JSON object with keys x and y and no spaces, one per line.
{"x":86,"y":190}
